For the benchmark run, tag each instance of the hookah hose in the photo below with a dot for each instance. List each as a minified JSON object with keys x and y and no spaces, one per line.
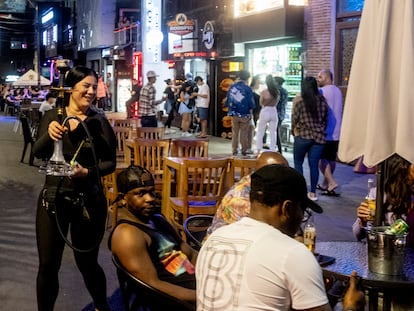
{"x":100,"y":236}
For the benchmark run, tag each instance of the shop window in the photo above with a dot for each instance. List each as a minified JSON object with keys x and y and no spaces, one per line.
{"x":348,"y":16}
{"x":346,"y":38}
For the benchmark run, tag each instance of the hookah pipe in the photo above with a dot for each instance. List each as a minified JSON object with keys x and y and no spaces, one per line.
{"x":57,"y":166}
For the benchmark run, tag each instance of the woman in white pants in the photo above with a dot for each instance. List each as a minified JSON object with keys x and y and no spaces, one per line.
{"x":269,"y":98}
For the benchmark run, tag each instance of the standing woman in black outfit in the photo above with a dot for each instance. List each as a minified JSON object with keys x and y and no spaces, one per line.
{"x":170,"y":105}
{"x":76,"y":203}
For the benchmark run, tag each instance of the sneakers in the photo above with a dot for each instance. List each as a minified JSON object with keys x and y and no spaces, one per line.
{"x":186,"y":134}
{"x":312,"y":196}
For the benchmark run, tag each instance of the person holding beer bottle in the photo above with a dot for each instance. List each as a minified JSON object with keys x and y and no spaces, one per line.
{"x":399,"y":191}
{"x":255,"y":263}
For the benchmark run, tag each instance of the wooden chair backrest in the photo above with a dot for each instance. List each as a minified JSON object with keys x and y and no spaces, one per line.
{"x":194,"y":148}
{"x":203,"y":182}
{"x":239,"y":168}
{"x":121,"y":133}
{"x":125,"y":122}
{"x":150,"y":132}
{"x":109,"y":187}
{"x":150,"y":155}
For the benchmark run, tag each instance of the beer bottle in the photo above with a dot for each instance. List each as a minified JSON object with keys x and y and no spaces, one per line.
{"x":309,"y":235}
{"x":370,"y":200}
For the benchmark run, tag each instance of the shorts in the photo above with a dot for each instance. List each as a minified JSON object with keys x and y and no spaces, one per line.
{"x":202,"y":113}
{"x":330,"y":150}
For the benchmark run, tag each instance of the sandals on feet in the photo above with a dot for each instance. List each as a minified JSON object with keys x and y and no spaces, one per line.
{"x":331,"y":193}
{"x":319,"y":187}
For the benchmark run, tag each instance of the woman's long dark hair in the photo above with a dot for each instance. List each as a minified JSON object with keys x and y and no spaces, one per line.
{"x":397,"y":186}
{"x":311,"y":96}
{"x":272,"y":86}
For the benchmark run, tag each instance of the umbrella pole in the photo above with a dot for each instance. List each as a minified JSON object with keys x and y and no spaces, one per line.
{"x":379,"y":210}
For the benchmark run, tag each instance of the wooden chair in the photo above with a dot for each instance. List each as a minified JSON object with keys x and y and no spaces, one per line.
{"x":200,"y":189}
{"x":131,"y":123}
{"x":239,"y":168}
{"x":111,"y":192}
{"x":189,"y":148}
{"x":150,"y":132}
{"x":150,"y":153}
{"x":121,"y":133}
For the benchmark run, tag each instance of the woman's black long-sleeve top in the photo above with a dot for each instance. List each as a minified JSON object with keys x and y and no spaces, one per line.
{"x":103,"y":142}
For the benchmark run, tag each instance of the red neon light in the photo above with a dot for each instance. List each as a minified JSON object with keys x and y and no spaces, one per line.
{"x":137,"y":71}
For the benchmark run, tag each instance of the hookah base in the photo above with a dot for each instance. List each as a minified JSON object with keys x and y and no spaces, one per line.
{"x":55,"y":168}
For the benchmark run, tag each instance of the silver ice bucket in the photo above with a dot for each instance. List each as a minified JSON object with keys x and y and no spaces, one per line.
{"x":385,"y":251}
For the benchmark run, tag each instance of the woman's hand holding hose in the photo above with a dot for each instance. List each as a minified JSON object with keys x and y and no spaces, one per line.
{"x":56,"y":130}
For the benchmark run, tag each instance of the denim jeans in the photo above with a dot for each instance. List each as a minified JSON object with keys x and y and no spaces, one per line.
{"x":301,"y":147}
{"x":149,"y":121}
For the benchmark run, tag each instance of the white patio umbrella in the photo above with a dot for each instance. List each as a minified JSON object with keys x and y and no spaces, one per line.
{"x":378,"y":118}
{"x":379,"y":112}
{"x":31,"y":78}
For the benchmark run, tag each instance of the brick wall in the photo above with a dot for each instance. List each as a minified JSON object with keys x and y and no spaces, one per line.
{"x":319,"y":36}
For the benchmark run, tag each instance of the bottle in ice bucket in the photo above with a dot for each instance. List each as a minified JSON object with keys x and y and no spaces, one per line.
{"x":398,"y":227}
{"x":309,"y":235}
{"x":370,"y":199}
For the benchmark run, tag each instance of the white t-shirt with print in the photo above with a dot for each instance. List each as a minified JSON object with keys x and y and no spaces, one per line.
{"x":250,"y":265}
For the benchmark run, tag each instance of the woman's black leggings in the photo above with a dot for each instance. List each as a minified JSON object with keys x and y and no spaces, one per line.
{"x":86,"y":231}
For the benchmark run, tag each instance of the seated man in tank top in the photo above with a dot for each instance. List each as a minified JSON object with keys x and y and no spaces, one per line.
{"x":146,"y":244}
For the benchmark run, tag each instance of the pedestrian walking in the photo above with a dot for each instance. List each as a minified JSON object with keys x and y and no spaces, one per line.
{"x":240,"y":102}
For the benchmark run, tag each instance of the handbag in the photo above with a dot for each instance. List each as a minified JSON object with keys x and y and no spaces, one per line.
{"x":191,"y":103}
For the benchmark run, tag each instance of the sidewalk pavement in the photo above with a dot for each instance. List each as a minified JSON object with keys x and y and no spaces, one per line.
{"x":21,"y":183}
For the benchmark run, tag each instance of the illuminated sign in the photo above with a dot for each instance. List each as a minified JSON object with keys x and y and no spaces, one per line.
{"x":153,"y":33}
{"x":190,"y":54}
{"x":248,"y":7}
{"x":181,"y":26}
{"x":181,"y":34}
{"x":106,"y":52}
{"x":47,"y":17}
{"x":208,"y":35}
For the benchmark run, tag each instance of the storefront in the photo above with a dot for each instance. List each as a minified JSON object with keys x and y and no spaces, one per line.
{"x":281,"y":60}
{"x":275,"y":50}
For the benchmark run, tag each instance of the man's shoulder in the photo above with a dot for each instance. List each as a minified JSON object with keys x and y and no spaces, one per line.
{"x":331,"y":88}
{"x":204,"y":88}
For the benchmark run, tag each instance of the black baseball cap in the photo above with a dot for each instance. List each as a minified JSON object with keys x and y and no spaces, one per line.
{"x":287,"y":182}
{"x":133,"y":177}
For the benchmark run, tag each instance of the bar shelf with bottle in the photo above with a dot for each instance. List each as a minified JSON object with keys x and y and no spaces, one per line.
{"x":293,"y":71}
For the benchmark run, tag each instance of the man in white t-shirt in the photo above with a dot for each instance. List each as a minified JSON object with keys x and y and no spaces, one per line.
{"x":254,"y":263}
{"x":202,"y":104}
{"x":327,"y":163}
{"x":48,"y":103}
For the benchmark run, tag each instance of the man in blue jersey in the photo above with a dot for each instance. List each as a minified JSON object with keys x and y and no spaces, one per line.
{"x":240,"y":103}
